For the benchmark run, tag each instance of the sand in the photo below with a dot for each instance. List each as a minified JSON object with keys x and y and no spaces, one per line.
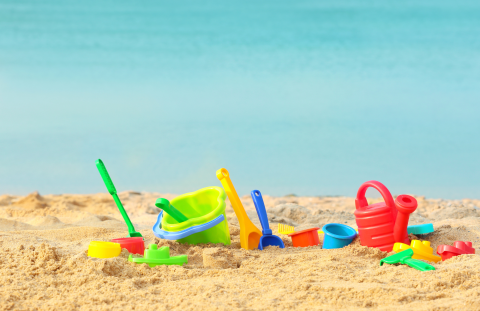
{"x":44,"y":263}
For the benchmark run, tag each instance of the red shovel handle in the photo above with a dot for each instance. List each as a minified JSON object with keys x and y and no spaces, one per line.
{"x":361,"y":201}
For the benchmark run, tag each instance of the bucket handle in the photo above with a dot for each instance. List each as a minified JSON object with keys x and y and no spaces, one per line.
{"x":361,"y":201}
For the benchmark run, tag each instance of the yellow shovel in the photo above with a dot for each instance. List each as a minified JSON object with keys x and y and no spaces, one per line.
{"x":249,"y":233}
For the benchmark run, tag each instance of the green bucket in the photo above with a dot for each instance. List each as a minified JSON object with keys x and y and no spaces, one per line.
{"x":200,"y":207}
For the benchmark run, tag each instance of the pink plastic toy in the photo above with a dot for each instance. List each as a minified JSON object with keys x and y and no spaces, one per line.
{"x":132,"y":245}
{"x":458,"y":248}
{"x":383,"y":224}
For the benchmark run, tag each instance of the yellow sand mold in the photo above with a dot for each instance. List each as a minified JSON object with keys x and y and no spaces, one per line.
{"x":421,"y":250}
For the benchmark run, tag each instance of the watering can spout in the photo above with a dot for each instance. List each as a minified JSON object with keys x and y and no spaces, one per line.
{"x":405,"y":205}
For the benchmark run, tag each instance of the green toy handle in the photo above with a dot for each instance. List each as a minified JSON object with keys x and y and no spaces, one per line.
{"x":106,"y":178}
{"x":111,"y":189}
{"x":168,"y":208}
{"x":123,"y":212}
{"x":419,"y":265}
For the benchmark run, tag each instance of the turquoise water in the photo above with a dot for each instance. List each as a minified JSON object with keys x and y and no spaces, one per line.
{"x":304,"y":97}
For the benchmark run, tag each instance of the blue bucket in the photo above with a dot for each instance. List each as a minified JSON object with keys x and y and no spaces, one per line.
{"x":337,"y":236}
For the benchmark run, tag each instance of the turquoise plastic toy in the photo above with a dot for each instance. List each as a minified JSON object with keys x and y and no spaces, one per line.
{"x":420,"y":229}
{"x":155,"y":257}
{"x":206,"y":220}
{"x":337,"y":235}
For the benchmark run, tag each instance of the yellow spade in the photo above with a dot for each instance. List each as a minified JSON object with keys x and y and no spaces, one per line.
{"x":249,"y":233}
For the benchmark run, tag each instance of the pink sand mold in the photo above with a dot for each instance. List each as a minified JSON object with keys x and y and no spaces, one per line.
{"x":458,"y":248}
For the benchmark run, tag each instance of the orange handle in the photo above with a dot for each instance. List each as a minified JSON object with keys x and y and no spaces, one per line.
{"x":224,"y":177}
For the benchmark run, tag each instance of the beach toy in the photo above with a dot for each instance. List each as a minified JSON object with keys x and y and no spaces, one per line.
{"x":305,"y":238}
{"x":162,"y":234}
{"x":405,"y":258}
{"x":420,"y":229}
{"x":165,"y":205}
{"x":99,"y":249}
{"x":156,"y":257}
{"x":132,"y":245}
{"x":321,"y":232}
{"x":285,"y":229}
{"x":421,"y":250}
{"x":111,"y":189}
{"x":249,"y":233}
{"x":206,"y":219}
{"x":382,"y":224}
{"x":267,"y":239}
{"x":458,"y":248}
{"x":337,"y":235}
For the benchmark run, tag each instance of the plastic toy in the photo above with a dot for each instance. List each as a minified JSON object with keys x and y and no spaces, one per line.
{"x":420,"y":229}
{"x":249,"y":233}
{"x":405,"y":258}
{"x":156,"y":257}
{"x":337,"y":236}
{"x":99,"y":249}
{"x":205,"y":211}
{"x":305,"y":238}
{"x":421,"y":250}
{"x":132,"y":245}
{"x":162,"y":234}
{"x":380,"y":225}
{"x":285,"y":229}
{"x":321,"y":232}
{"x":111,"y":189}
{"x":165,"y":205}
{"x":458,"y":248}
{"x":267,"y":239}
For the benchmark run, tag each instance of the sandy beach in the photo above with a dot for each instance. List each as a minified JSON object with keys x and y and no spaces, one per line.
{"x":44,"y":263}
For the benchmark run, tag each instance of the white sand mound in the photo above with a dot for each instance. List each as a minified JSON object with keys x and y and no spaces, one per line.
{"x":7,"y":225}
{"x":47,"y":221}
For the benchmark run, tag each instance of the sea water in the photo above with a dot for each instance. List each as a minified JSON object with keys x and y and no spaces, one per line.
{"x":303,"y":97}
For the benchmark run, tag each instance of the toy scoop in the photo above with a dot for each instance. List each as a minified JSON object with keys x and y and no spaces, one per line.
{"x":405,"y":257}
{"x":249,"y":233}
{"x":111,"y":189}
{"x":155,"y":257}
{"x":165,"y":205}
{"x":267,"y":239}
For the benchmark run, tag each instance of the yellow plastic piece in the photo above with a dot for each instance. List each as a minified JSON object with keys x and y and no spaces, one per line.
{"x":285,"y":229}
{"x":98,"y":249}
{"x":421,"y":250}
{"x":249,"y":233}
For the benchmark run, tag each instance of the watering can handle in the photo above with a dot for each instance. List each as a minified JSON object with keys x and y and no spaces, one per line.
{"x":361,"y":201}
{"x":261,"y":211}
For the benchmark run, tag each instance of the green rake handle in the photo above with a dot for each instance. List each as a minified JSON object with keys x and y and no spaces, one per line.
{"x":111,"y":189}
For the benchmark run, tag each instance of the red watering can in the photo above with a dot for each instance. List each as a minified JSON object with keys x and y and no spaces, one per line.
{"x":383,"y":224}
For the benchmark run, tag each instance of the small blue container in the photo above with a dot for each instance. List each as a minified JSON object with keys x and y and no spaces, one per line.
{"x":337,"y":236}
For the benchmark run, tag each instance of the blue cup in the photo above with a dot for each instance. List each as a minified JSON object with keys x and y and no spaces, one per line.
{"x":337,"y":236}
